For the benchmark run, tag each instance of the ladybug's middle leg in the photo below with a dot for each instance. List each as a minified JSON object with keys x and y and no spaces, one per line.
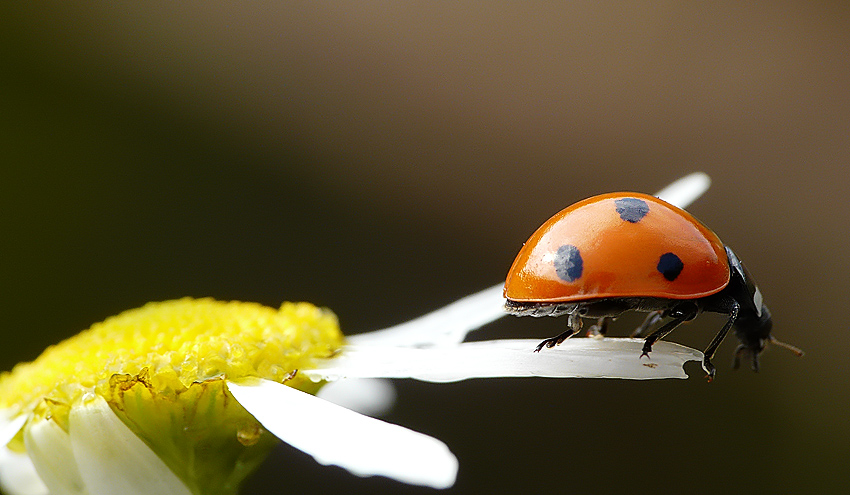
{"x":680,"y":314}
{"x":600,"y":328}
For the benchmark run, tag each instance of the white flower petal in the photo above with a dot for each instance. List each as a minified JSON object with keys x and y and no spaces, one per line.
{"x":450,"y":324}
{"x":686,"y":190}
{"x":335,"y":435}
{"x":445,"y":326}
{"x":112,"y":459}
{"x":10,"y":425}
{"x":18,"y":476}
{"x":49,"y":447}
{"x":369,"y":396}
{"x":580,"y":357}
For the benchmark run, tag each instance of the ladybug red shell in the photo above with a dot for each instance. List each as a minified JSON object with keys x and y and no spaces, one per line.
{"x":630,"y":251}
{"x":619,"y":245}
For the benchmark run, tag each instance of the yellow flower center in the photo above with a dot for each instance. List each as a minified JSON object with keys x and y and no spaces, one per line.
{"x":178,"y":343}
{"x":162,"y":368}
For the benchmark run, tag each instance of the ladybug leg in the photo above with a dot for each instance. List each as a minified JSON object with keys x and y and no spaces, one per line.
{"x":715,"y":342}
{"x":755,"y":362}
{"x":680,"y":315}
{"x":741,"y":349}
{"x":651,"y":320}
{"x":573,"y":327}
{"x":600,"y":328}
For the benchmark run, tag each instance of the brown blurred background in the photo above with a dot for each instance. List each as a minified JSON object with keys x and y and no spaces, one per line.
{"x":386,"y":159}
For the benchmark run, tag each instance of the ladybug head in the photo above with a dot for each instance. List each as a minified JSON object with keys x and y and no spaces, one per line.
{"x":753,"y":332}
{"x":753,"y":324}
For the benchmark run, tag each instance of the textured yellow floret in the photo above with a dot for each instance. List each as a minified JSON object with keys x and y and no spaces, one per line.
{"x":162,"y":369}
{"x":179,"y":343}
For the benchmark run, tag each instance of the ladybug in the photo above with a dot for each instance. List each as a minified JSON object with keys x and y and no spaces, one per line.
{"x":623,"y":251}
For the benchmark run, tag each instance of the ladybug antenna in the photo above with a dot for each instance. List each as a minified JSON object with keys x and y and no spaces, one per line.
{"x":796,"y":350}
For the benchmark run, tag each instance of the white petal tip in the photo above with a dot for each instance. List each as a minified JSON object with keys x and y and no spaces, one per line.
{"x":686,"y":190}
{"x":445,"y":326}
{"x":335,"y":435}
{"x":10,"y":425}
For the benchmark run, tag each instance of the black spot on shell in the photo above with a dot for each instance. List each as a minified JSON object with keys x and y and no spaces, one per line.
{"x":568,"y":263}
{"x":670,"y":266}
{"x":632,"y":209}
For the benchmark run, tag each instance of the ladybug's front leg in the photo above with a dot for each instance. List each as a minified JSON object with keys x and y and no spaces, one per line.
{"x":715,"y":342}
{"x":573,"y":327}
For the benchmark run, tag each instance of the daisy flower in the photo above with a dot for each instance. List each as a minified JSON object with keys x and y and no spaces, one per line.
{"x":189,"y":396}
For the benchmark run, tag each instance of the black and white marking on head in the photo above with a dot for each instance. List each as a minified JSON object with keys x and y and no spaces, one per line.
{"x":632,"y":209}
{"x":568,"y":263}
{"x":670,"y":266}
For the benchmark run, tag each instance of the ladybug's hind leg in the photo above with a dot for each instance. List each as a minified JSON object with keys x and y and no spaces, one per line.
{"x":651,"y":320}
{"x":573,"y":327}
